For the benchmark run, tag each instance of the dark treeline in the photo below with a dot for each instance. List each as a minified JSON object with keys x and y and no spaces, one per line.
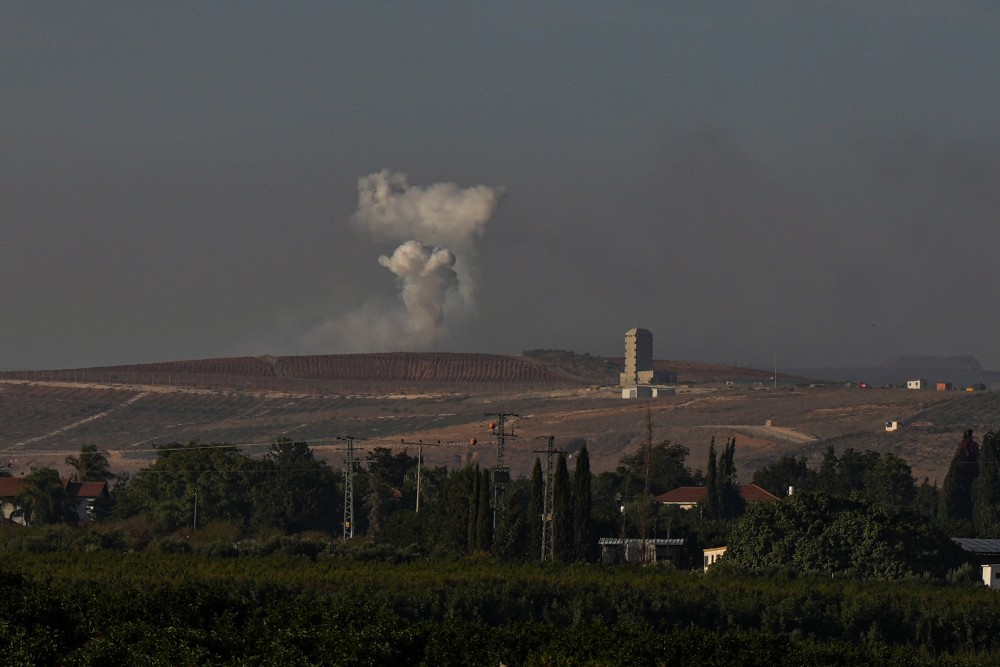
{"x":98,"y":607}
{"x":209,"y":556}
{"x":289,"y":491}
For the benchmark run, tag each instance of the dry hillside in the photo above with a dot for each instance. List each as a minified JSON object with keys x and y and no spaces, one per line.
{"x":383,"y":399}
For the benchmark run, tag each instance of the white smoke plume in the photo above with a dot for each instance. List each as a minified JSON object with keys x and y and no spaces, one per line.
{"x":439,"y":227}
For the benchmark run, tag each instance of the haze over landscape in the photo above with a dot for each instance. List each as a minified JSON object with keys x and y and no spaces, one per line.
{"x":807,"y":184}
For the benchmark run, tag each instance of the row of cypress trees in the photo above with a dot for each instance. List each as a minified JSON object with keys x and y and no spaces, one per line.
{"x":572,"y":500}
{"x":722,"y":496}
{"x":571,"y":522}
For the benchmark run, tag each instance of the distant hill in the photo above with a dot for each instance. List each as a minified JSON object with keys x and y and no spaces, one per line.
{"x":389,"y":371}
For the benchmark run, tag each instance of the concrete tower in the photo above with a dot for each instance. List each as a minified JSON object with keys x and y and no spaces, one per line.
{"x":638,"y":357}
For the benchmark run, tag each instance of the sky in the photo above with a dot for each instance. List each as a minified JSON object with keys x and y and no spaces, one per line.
{"x":799,"y":183}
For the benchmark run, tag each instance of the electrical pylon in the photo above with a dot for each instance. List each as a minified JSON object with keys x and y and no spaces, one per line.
{"x":501,"y":473}
{"x":548,"y":498}
{"x":349,"y":487}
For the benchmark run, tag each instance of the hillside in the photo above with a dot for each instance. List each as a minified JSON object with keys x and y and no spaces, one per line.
{"x":383,"y":399}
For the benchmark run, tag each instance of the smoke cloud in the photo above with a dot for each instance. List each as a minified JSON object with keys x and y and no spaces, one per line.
{"x":439,"y":228}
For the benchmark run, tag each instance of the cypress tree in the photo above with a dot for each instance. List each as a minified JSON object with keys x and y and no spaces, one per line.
{"x":484,"y":531}
{"x":473,"y":514}
{"x":730,"y":501}
{"x":711,"y":502}
{"x":986,"y":488}
{"x":828,"y":480}
{"x":956,"y":492}
{"x":582,"y":501}
{"x":562,"y":510}
{"x":536,"y":504}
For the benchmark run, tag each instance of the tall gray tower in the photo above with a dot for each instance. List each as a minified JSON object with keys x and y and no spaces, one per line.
{"x":638,"y":358}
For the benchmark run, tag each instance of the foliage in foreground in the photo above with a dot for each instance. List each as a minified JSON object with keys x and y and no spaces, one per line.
{"x":823,"y":534}
{"x":105,"y":607}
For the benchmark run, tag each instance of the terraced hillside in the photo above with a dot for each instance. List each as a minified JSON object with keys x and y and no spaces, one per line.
{"x":404,"y":369}
{"x":388,"y":398}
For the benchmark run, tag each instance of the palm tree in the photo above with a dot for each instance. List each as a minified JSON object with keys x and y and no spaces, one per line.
{"x":90,"y":466}
{"x":43,"y":497}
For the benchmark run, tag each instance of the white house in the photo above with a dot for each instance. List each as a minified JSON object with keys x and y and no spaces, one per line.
{"x":919,"y":383}
{"x":991,"y":575}
{"x":81,"y":495}
{"x":712,"y":555}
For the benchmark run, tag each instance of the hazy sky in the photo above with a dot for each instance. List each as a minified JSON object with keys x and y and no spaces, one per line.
{"x":814,"y":180}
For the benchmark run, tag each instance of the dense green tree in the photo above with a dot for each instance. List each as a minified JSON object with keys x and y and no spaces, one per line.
{"x":853,"y":467}
{"x":986,"y":488}
{"x":584,"y":544}
{"x":956,"y":492}
{"x":450,"y":511}
{"x":847,"y":473}
{"x":387,"y":474}
{"x":510,"y":536}
{"x":43,"y":499}
{"x":562,"y":512}
{"x":667,"y":465}
{"x":90,"y":466}
{"x":788,"y":471}
{"x":606,"y":498}
{"x":820,"y":533}
{"x":292,"y":490}
{"x":213,"y":478}
{"x":926,"y":497}
{"x":536,"y":504}
{"x":890,"y":482}
{"x":827,"y":480}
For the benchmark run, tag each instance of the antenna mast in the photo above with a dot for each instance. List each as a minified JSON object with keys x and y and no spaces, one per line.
{"x":501,"y":473}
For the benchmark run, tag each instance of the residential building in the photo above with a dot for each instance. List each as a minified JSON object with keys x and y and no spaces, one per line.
{"x":81,"y":496}
{"x":687,"y":497}
{"x":712,"y":555}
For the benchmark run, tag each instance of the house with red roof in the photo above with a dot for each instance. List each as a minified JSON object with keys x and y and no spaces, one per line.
{"x":687,"y":497}
{"x":82,"y":496}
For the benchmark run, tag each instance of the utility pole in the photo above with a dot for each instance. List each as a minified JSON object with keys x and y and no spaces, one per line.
{"x":501,"y":473}
{"x":548,"y":502}
{"x":420,"y":444}
{"x":348,"y":487}
{"x":647,"y":454}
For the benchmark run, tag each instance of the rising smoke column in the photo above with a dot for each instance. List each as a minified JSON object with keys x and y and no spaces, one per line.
{"x":438,"y":228}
